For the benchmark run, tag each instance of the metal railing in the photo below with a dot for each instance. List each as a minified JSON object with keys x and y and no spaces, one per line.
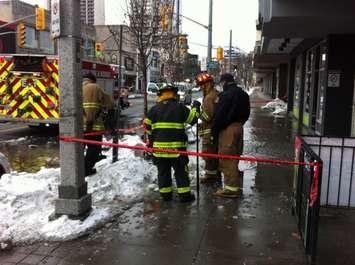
{"x":337,"y":154}
{"x":306,"y":200}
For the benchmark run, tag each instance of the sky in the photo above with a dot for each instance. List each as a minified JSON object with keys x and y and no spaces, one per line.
{"x":236,"y":15}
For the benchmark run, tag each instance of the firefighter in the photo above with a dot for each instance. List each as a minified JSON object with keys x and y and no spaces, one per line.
{"x":232,"y":111}
{"x":165,"y":125}
{"x":209,"y":145}
{"x":95,"y":103}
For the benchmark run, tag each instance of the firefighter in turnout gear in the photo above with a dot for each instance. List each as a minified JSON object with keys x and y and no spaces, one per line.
{"x":95,"y":103}
{"x":232,"y":111}
{"x":209,"y":145}
{"x":165,"y":125}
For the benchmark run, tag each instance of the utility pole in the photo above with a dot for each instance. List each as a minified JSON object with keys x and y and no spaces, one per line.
{"x":209,"y":44}
{"x":73,"y":198}
{"x":118,"y":107}
{"x":230,"y":51}
{"x":178,"y":39}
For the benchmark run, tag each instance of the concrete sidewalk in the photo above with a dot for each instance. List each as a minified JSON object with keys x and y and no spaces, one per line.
{"x":257,"y":229}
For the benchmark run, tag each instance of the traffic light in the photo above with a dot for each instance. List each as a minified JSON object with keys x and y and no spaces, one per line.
{"x":220,"y":54}
{"x":40,"y":18}
{"x":21,"y":35}
{"x":165,"y":13}
{"x":98,"y":49}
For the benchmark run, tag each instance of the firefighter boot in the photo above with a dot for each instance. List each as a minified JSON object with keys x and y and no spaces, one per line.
{"x":187,"y":197}
{"x":167,"y":196}
{"x":224,"y":193}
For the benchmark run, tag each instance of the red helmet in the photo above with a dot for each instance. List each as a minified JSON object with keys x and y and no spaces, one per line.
{"x":203,"y":78}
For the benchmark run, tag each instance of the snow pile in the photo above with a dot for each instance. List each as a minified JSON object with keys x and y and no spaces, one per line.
{"x":27,"y":200}
{"x":253,"y":92}
{"x":277,"y":106}
{"x":15,"y":141}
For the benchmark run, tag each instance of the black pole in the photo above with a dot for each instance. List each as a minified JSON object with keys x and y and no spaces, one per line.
{"x":118,"y":107}
{"x":197,"y":165}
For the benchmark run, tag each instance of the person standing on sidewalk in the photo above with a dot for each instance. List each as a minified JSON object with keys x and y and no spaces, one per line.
{"x":209,"y":145}
{"x":165,"y":126}
{"x":232,"y":111}
{"x":95,"y":101}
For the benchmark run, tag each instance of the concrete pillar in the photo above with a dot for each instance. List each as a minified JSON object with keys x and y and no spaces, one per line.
{"x":73,"y":198}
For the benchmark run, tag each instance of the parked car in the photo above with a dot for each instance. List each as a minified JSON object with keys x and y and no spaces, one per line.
{"x":183,"y":88}
{"x":152,"y":88}
{"x":4,"y":165}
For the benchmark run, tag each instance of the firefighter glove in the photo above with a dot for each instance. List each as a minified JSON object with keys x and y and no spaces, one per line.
{"x":197,"y":105}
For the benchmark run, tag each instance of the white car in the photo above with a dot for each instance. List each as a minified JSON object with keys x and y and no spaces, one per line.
{"x":152,"y":88}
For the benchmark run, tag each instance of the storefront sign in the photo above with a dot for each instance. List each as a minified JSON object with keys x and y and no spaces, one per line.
{"x":333,"y":79}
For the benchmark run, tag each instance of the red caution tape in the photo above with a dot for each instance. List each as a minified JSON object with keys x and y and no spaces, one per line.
{"x":313,"y":196}
{"x":189,"y":153}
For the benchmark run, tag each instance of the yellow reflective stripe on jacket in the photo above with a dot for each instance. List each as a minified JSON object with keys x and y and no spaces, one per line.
{"x":231,"y":188}
{"x":167,"y":125}
{"x":184,"y":190}
{"x":204,"y":132}
{"x":192,"y":115}
{"x":166,"y":190}
{"x":169,"y":144}
{"x":205,"y":116}
{"x":91,"y":105}
{"x":147,"y":121}
{"x":166,"y":155}
{"x":98,"y":127}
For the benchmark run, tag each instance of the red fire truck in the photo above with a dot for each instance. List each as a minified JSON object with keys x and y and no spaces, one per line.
{"x":29,"y":86}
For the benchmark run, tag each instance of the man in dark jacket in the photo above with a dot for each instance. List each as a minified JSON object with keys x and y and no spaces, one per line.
{"x":165,"y":125}
{"x":231,"y":112}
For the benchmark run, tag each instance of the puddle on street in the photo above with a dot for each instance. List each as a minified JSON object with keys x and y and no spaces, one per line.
{"x":30,"y":154}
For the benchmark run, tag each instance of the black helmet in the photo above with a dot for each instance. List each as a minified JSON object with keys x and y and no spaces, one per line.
{"x":227,"y":77}
{"x":167,"y":86}
{"x":90,"y":76}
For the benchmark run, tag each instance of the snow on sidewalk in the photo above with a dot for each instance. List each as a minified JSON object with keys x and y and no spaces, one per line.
{"x":27,"y":200}
{"x":277,"y":106}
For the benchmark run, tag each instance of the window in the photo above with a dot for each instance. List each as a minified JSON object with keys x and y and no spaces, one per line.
{"x":31,"y":41}
{"x":45,"y":42}
{"x":129,"y":63}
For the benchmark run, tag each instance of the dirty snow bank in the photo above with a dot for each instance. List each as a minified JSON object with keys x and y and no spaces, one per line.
{"x":26,"y":200}
{"x":277,"y":106}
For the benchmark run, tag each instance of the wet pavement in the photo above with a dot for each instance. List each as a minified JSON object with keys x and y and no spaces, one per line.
{"x":256,"y":229}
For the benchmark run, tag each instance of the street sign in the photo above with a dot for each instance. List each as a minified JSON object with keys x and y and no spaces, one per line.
{"x":55,"y":16}
{"x":212,"y":65}
{"x":333,"y":78}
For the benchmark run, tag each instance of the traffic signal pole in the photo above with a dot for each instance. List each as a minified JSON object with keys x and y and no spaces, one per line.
{"x":230,"y":51}
{"x":73,"y":198}
{"x":209,"y":44}
{"x":118,"y":107}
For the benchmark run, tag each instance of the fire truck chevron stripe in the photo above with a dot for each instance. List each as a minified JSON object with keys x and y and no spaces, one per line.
{"x":4,"y":68}
{"x":41,"y":88}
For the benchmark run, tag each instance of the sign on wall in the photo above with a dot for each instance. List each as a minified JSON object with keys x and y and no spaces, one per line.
{"x":334,"y":79}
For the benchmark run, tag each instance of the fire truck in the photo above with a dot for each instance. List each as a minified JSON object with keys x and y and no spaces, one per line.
{"x":29,"y":87}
